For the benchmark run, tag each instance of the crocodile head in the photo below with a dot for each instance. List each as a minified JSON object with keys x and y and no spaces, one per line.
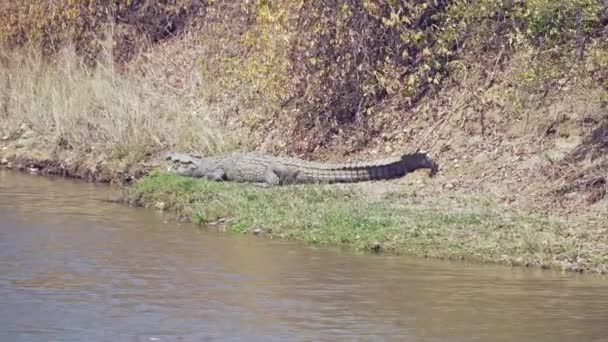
{"x":419,"y":160}
{"x":187,"y":165}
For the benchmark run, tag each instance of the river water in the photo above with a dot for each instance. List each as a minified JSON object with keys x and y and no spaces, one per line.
{"x":74,"y":267}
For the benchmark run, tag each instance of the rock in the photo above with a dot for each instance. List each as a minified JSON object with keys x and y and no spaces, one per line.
{"x":376,"y":247}
{"x":481,"y":158}
{"x":257,"y":231}
{"x":449,"y":186}
{"x":28,"y":134}
{"x":388,"y":149}
{"x":33,"y":170}
{"x":3,"y":161}
{"x":562,"y":147}
{"x":160,"y":206}
{"x":5,"y":138}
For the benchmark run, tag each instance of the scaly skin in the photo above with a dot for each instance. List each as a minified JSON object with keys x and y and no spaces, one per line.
{"x":258,"y":168}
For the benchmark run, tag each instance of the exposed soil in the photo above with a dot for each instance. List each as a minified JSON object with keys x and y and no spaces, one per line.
{"x":29,"y":153}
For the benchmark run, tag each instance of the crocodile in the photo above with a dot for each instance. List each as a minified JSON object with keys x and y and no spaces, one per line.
{"x":270,"y":170}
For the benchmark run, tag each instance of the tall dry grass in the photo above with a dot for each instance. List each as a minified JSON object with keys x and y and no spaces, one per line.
{"x":126,"y":113}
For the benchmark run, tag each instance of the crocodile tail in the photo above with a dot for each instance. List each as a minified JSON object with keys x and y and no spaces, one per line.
{"x":351,"y":172}
{"x":386,"y":169}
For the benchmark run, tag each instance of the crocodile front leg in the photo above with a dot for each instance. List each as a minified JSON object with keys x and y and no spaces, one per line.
{"x":217,"y":175}
{"x":270,"y":177}
{"x":278,"y":174}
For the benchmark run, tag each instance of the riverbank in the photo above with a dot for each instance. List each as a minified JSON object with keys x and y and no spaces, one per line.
{"x":491,"y":201}
{"x":383,"y":217}
{"x":509,"y":99}
{"x":401,"y":217}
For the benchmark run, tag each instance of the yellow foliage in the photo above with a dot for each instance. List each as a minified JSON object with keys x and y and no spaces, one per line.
{"x":52,"y":24}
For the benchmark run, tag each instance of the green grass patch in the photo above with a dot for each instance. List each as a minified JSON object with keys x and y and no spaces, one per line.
{"x":342,"y":216}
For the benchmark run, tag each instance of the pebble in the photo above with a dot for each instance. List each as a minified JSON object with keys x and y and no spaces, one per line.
{"x":160,"y":206}
{"x":28,"y":134}
{"x":3,"y":161}
{"x":5,"y":138}
{"x":257,"y":231}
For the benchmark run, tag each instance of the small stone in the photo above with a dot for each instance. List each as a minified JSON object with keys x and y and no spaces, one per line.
{"x":5,"y":138}
{"x":3,"y":161}
{"x":160,"y":206}
{"x":388,"y":149}
{"x":28,"y":134}
{"x":449,"y":186}
{"x":257,"y":231}
{"x":33,"y":170}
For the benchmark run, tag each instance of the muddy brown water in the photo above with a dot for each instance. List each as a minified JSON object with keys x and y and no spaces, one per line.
{"x":76,"y":268}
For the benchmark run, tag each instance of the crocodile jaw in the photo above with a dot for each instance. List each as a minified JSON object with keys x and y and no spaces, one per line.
{"x":183,"y":169}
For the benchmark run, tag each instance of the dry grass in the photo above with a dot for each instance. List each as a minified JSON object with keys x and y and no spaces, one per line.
{"x":124,"y":113}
